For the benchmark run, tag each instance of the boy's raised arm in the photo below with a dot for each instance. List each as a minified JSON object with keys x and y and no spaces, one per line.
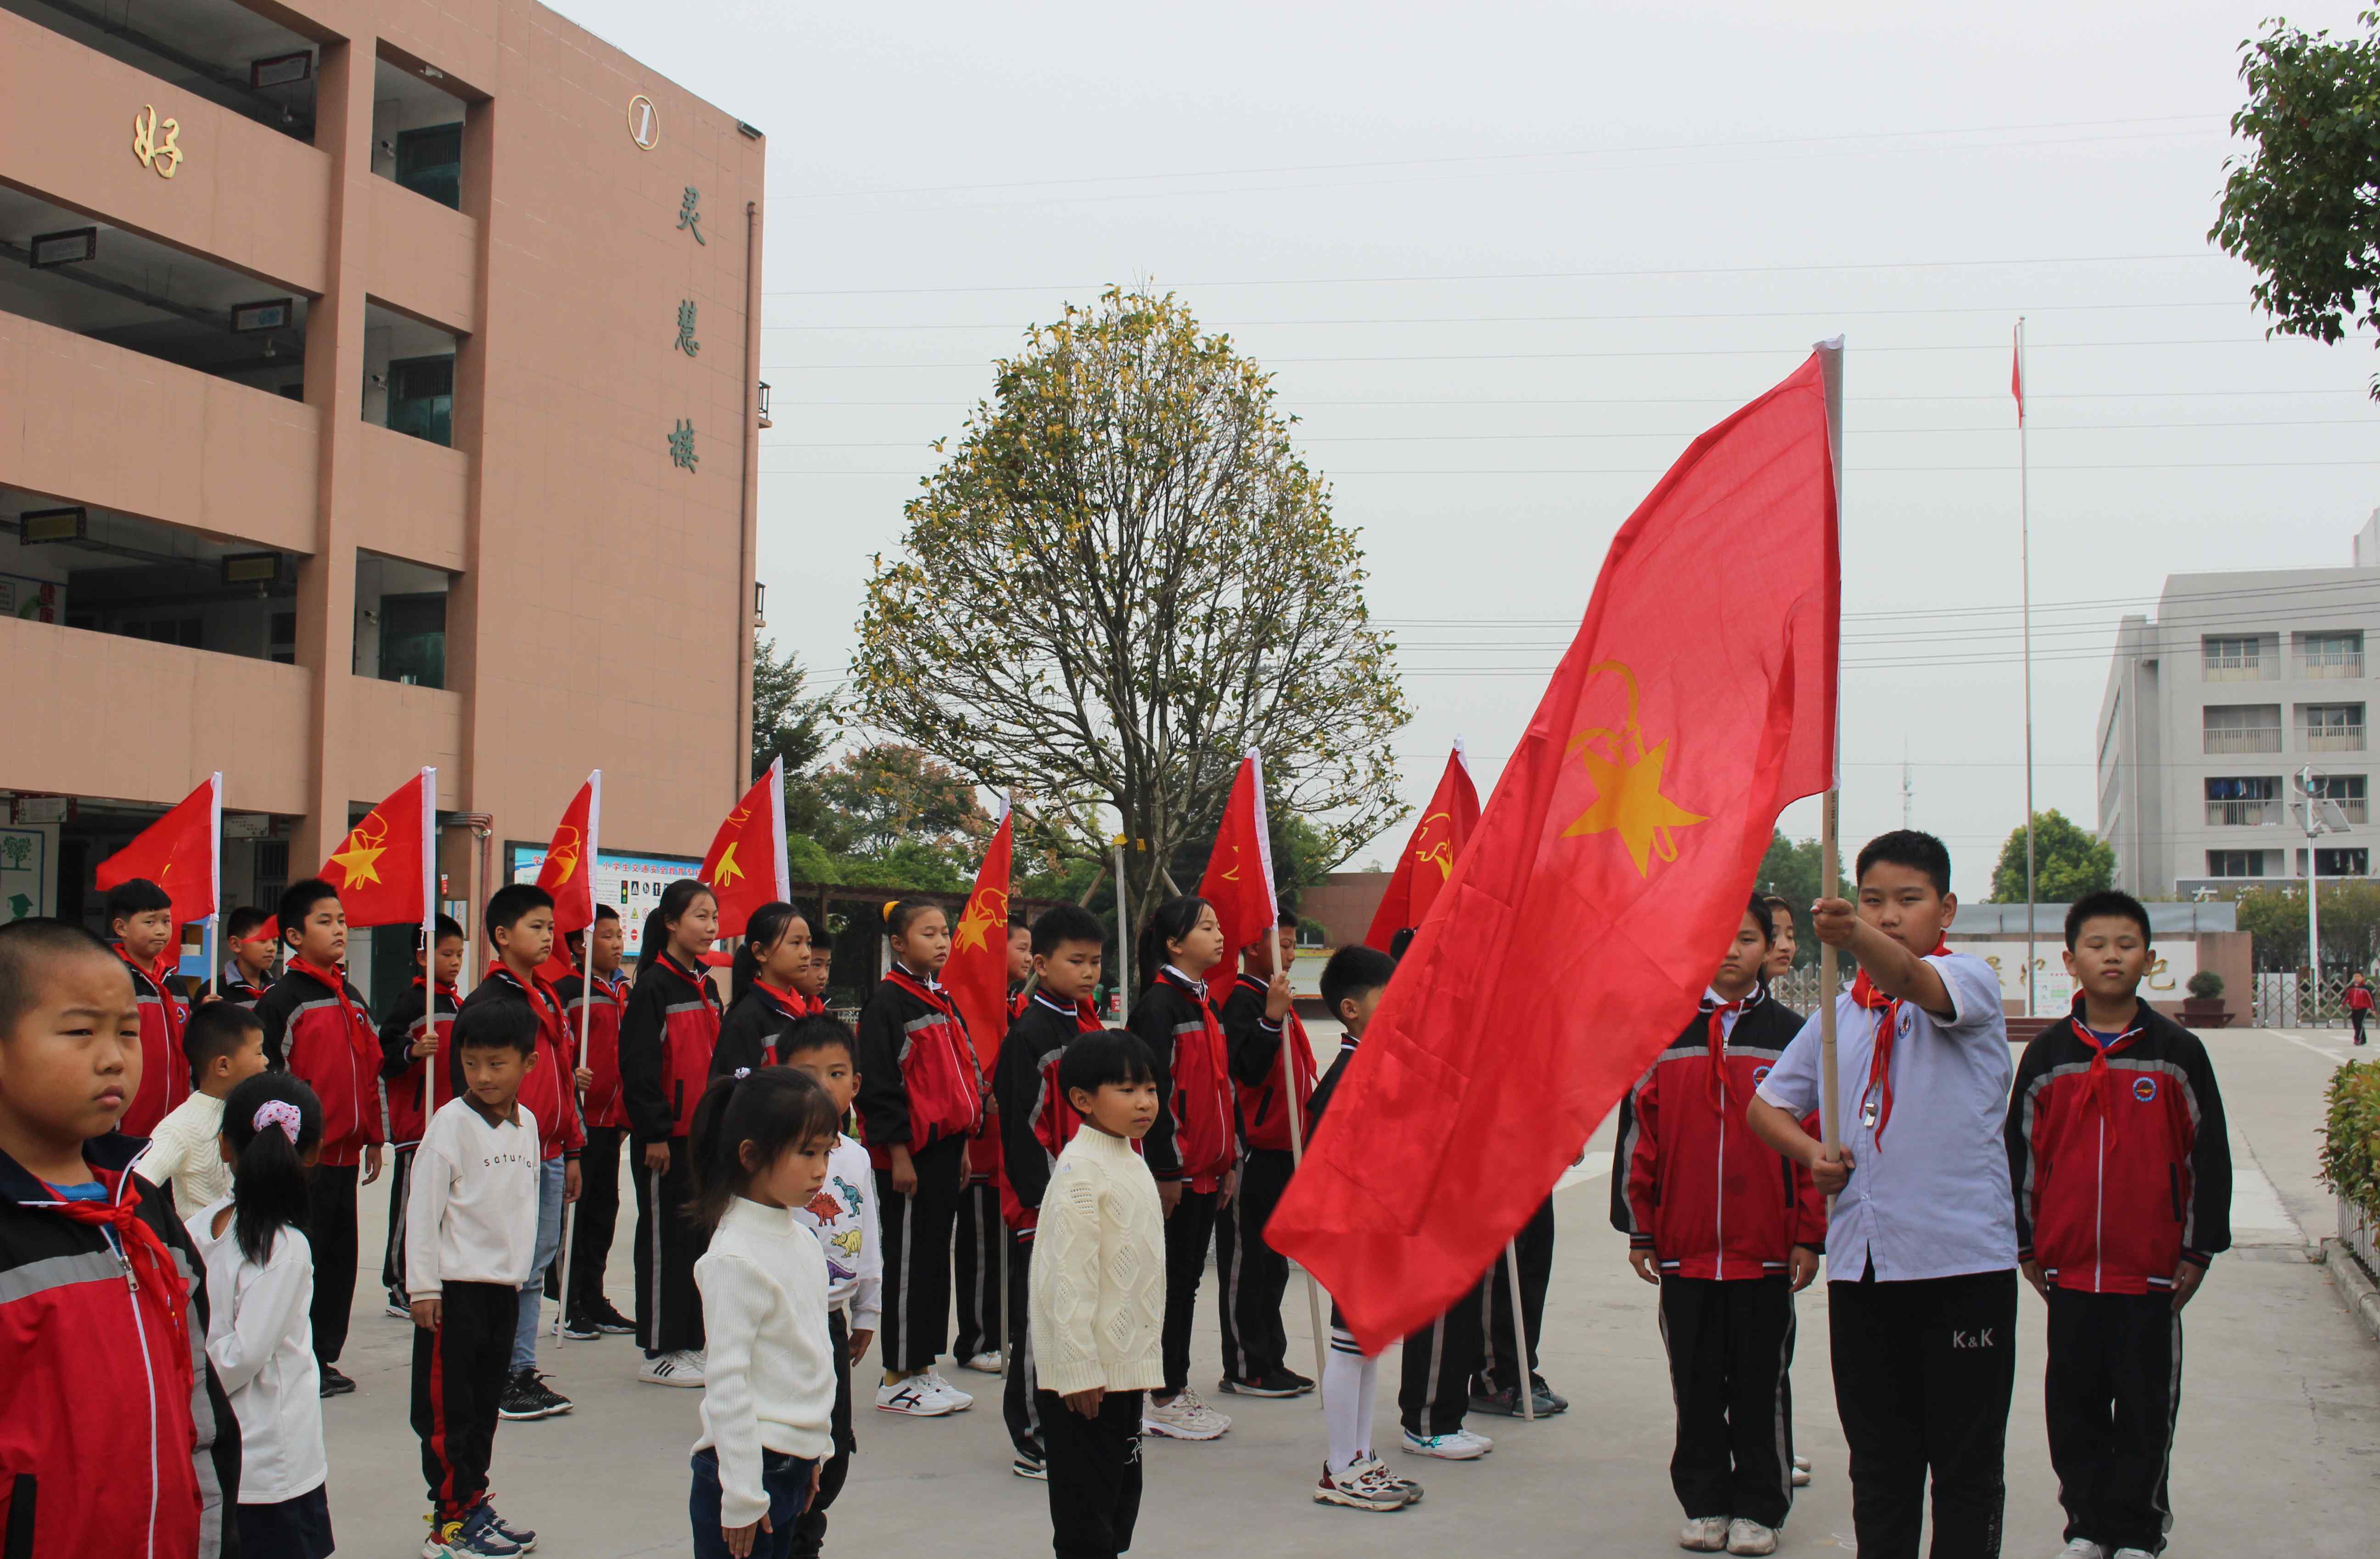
{"x":1890,"y":967}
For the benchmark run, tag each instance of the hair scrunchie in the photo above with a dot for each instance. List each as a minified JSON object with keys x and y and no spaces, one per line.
{"x":743,"y":1073}
{"x":281,"y":1113}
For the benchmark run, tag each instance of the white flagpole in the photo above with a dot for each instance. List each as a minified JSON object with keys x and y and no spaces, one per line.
{"x":2024,"y":568}
{"x":1526,"y":1387}
{"x":214,"y":886}
{"x":588,"y":851}
{"x":1830,"y":1126}
{"x":436,"y":1058}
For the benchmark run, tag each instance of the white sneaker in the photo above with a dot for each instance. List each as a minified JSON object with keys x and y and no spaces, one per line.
{"x":2134,"y":1554}
{"x":1745,"y":1536}
{"x":1364,"y":1486}
{"x":1799,"y":1477}
{"x":2082,"y":1548}
{"x":683,"y":1368}
{"x":959,"y":1400}
{"x":988,"y":1362}
{"x":914,"y":1397}
{"x":1705,"y":1534}
{"x":1185,"y":1418}
{"x":1460,"y":1445}
{"x":1801,"y":1464}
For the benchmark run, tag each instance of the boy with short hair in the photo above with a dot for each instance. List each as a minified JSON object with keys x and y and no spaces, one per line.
{"x":248,"y":971}
{"x":520,"y":924}
{"x":1036,"y":1124}
{"x":1251,"y":1276}
{"x":111,"y":1446}
{"x":412,"y":1036}
{"x":225,"y":1045}
{"x":810,"y":983}
{"x":318,"y":1030}
{"x":844,"y":1215}
{"x":1921,"y":1251}
{"x":2122,"y":1168}
{"x":595,"y":992}
{"x":141,"y":919}
{"x":474,"y":1216}
{"x":1098,"y":1300}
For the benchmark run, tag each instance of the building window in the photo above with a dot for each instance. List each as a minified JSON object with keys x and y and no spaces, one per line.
{"x":2235,"y":862}
{"x":2246,"y":803}
{"x":413,"y":639}
{"x":2356,"y":862}
{"x":2348,"y":791}
{"x":2330,"y":655}
{"x":429,"y":162}
{"x":2234,"y":659}
{"x":2242,"y":728}
{"x":2331,"y":727}
{"x":421,"y":398}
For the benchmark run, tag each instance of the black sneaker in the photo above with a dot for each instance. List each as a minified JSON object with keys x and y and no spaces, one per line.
{"x":1304,"y":1385}
{"x":555,"y":1403}
{"x":582,"y":1329}
{"x":1029,"y":1466}
{"x":1498,"y":1400}
{"x":522,"y":1398}
{"x":1272,"y":1382}
{"x":608,"y":1319}
{"x":335,"y":1383}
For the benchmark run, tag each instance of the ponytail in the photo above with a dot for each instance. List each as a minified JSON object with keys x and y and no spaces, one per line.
{"x":672,"y":909}
{"x":762,"y":934}
{"x":1175,"y":919}
{"x":900,"y":912}
{"x":776,"y":1109}
{"x":274,"y":1123}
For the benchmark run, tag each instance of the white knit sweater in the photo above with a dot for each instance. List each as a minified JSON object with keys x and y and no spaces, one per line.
{"x":768,"y":1380}
{"x":1098,"y":1271}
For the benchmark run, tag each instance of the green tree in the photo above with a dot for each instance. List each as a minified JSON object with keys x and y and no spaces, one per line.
{"x":1790,"y":870}
{"x":2068,"y":861}
{"x":895,"y":817}
{"x":2303,"y":205}
{"x":2276,"y":917}
{"x":1121,"y":578}
{"x":788,"y":725}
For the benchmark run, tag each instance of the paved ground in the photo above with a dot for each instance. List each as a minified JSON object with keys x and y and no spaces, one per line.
{"x":2280,"y":1439}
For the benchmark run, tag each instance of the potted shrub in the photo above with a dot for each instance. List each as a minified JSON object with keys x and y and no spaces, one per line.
{"x":2203,"y":1008}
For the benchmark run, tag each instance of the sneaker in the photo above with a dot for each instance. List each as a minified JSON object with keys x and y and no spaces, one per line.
{"x":988,"y":1362}
{"x":1411,"y":1490}
{"x":1030,"y":1467}
{"x":397,"y":1307}
{"x":609,"y":1320}
{"x":1185,"y":1418}
{"x":476,"y":1536}
{"x":520,"y":1399}
{"x":1546,"y":1399}
{"x":683,"y":1368}
{"x":335,"y":1383}
{"x":1305,"y":1382}
{"x":959,"y":1401}
{"x":1801,"y":1464}
{"x":1360,"y":1487}
{"x":1459,"y":1445}
{"x":525,"y":1538}
{"x":1704,"y":1534}
{"x":555,"y":1403}
{"x":914,"y":1397}
{"x":1747,"y":1536}
{"x":2082,"y":1548}
{"x":581,"y":1329}
{"x":2143,"y":1553}
{"x":1799,"y":1477}
{"x":1272,"y":1382}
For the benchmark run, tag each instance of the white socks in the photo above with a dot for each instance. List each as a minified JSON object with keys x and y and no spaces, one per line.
{"x":1350,"y":1390}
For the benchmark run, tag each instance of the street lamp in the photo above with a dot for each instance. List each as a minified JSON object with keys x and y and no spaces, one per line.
{"x":2317,"y":814}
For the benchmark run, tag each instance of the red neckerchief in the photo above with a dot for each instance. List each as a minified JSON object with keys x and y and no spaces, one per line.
{"x":710,"y":993}
{"x":2100,"y":1080}
{"x":542,"y":1002}
{"x":337,"y":985}
{"x":155,"y":974}
{"x":930,"y":992}
{"x":1085,"y":1016}
{"x":143,"y":1253}
{"x":1887,"y":1023}
{"x":1715,"y":1087}
{"x":792,"y":1005}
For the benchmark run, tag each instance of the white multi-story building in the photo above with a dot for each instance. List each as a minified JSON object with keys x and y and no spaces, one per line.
{"x":2242,"y":686}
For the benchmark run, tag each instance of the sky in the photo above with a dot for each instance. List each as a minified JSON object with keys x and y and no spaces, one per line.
{"x":1506,"y":261}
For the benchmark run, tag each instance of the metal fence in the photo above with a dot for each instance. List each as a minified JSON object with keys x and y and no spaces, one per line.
{"x":2286,"y":1000}
{"x":1799,"y":988}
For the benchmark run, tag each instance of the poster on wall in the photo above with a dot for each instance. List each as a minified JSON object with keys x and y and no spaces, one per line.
{"x":33,"y":600}
{"x":28,"y":871}
{"x":2170,"y":966}
{"x":630,"y":884}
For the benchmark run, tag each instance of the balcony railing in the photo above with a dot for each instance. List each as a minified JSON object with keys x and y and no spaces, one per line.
{"x":2242,"y":814}
{"x":2258,"y":739}
{"x":2335,"y":739}
{"x":2319,"y":667}
{"x":2236,"y":668}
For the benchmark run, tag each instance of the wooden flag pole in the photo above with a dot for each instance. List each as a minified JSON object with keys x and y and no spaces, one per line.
{"x":1527,"y":1388}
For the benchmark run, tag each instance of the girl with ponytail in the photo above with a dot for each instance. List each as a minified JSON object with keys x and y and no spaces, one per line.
{"x":259,"y":1277}
{"x":667,"y":1033}
{"x":775,"y":953}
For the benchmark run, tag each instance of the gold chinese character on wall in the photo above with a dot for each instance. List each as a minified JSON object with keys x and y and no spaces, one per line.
{"x":153,"y":143}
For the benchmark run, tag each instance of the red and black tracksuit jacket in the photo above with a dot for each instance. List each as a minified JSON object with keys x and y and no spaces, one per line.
{"x":1193,"y":1139}
{"x":404,"y":1076}
{"x":318,"y":1030}
{"x":1254,"y":1042}
{"x":608,"y":995}
{"x":918,"y":1082}
{"x":1691,"y":1183}
{"x":1036,"y":1121}
{"x":748,"y":1034}
{"x":165,"y":1070}
{"x":2119,"y":1155}
{"x":549,"y":1091}
{"x":667,"y":1032}
{"x":115,"y":1438}
{"x":238,"y":989}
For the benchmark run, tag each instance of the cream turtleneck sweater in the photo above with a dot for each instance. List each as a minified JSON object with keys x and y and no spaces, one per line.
{"x":1098,"y":1271}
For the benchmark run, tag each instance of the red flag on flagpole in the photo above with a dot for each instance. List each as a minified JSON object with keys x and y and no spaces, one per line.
{"x":1429,"y":856}
{"x":1239,"y":874}
{"x":569,"y":872}
{"x":385,"y":869}
{"x":977,"y":973}
{"x":2016,"y":373}
{"x":1600,"y":886}
{"x":745,"y":864}
{"x":181,"y":853}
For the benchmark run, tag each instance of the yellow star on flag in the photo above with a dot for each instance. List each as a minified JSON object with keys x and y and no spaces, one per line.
{"x":728,"y":870}
{"x":359,"y":860}
{"x":1628,"y":801}
{"x":975,"y":923}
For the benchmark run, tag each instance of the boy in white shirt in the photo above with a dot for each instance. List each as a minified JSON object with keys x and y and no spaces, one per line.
{"x":1098,"y":1312}
{"x":843,"y":1214}
{"x":471,"y":1222}
{"x":226,"y":1047}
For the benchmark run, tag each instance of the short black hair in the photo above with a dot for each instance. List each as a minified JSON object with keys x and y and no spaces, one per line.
{"x":1761,"y":912}
{"x":30,"y":946}
{"x":1093,"y":1060}
{"x":2108,"y":903}
{"x":1016,"y":922}
{"x":1400,"y":941}
{"x":1908,"y":847}
{"x":216,"y":1030}
{"x":605,"y":912}
{"x":444,"y":926}
{"x":297,"y":902}
{"x":496,"y":1025}
{"x":241,"y":922}
{"x":1352,"y":972}
{"x":514,"y":899}
{"x":135,"y":896}
{"x":1061,"y":923}
{"x":815,"y":1032}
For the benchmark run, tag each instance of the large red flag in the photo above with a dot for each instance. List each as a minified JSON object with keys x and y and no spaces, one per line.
{"x":1429,"y":860}
{"x":1239,"y":874}
{"x":180,"y":852}
{"x":386,"y":868}
{"x":977,"y":973}
{"x":746,"y":865}
{"x":1600,"y":888}
{"x":568,"y":871}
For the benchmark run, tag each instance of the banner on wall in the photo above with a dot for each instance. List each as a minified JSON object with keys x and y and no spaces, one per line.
{"x":2170,"y":969}
{"x":630,"y":884}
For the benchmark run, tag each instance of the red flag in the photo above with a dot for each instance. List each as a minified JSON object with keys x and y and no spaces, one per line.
{"x":569,"y":872}
{"x":386,"y":867}
{"x":977,"y":973}
{"x":180,"y":852}
{"x":1603,"y":880}
{"x":1429,"y":860}
{"x":745,"y":864}
{"x":2016,"y":373}
{"x":1239,"y":874}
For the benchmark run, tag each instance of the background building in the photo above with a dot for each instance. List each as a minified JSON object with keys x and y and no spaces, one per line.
{"x":2214,"y":708}
{"x":376,"y":390}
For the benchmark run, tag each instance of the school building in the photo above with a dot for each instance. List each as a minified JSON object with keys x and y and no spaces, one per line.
{"x":377,"y":390}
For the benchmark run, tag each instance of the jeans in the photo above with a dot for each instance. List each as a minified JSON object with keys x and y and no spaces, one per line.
{"x":786,"y":1480}
{"x":549,"y":1240}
